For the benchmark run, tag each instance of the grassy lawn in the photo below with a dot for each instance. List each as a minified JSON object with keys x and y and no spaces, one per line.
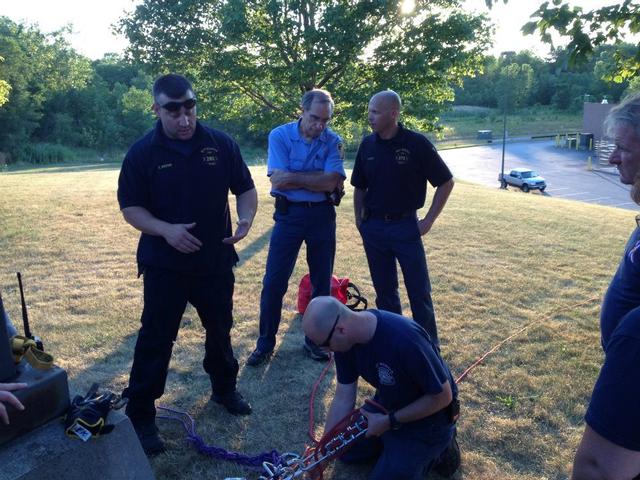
{"x":499,"y":261}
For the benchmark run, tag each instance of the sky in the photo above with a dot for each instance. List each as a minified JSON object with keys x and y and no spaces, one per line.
{"x":93,"y":36}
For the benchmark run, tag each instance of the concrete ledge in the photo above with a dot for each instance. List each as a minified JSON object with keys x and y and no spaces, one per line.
{"x":47,"y":453}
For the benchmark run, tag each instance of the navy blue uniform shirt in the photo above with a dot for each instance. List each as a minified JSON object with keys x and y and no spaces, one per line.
{"x":395,"y":172}
{"x":185,"y":182}
{"x":400,"y":361}
{"x":614,"y":409}
{"x":623,"y":293}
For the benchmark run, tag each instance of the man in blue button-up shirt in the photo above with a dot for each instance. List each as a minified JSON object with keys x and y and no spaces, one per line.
{"x":305,"y":164}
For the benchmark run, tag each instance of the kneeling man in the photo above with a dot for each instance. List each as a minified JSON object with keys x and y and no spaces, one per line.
{"x":413,"y":383}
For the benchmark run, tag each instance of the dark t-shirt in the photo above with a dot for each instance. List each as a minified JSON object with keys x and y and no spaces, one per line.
{"x":185,"y":183}
{"x":395,"y":172}
{"x":614,"y":410}
{"x":623,"y":293}
{"x":400,"y":361}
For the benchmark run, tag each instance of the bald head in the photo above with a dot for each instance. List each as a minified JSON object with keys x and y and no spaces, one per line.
{"x":389,"y":99}
{"x":384,"y":111}
{"x":319,"y":317}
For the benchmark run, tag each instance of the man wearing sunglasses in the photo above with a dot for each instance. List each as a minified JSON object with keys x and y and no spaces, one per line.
{"x":305,"y":163}
{"x":413,"y":383}
{"x":610,"y":446}
{"x":174,"y":187}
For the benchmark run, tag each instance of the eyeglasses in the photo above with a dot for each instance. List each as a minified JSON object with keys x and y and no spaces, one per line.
{"x":176,"y":106}
{"x":328,"y":340}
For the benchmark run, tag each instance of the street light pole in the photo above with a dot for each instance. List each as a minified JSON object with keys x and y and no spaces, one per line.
{"x":503,"y":184}
{"x":505,"y":56}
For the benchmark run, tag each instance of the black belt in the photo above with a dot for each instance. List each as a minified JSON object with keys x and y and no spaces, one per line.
{"x":390,"y":217}
{"x":308,"y":204}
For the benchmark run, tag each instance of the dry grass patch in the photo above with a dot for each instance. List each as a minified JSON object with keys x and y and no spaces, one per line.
{"x":498,"y":260}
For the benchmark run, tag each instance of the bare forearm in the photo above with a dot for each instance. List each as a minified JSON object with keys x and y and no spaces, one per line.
{"x":141,"y":219}
{"x":176,"y":234}
{"x":598,"y":458}
{"x":313,"y":181}
{"x":440,"y":198}
{"x":337,"y":411}
{"x":343,"y":403}
{"x":247,"y":205}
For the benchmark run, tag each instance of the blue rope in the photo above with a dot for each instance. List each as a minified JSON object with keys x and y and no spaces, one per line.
{"x":189,"y":426}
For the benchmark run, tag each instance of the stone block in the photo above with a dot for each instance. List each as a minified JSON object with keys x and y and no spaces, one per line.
{"x":47,"y":453}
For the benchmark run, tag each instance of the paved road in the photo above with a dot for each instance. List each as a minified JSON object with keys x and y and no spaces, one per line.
{"x":564,"y":170}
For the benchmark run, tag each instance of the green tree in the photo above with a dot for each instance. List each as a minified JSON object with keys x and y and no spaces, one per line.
{"x":587,"y":29}
{"x":36,"y":67}
{"x":4,"y":89}
{"x":255,"y":58}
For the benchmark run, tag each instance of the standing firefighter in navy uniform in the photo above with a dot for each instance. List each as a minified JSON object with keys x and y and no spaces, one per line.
{"x":174,"y":187}
{"x":390,"y":178}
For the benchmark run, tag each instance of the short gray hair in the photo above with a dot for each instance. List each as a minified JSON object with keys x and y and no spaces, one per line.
{"x":626,"y":112}
{"x":315,"y":95}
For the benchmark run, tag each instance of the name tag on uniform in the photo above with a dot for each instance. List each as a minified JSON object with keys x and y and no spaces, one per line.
{"x":165,"y":165}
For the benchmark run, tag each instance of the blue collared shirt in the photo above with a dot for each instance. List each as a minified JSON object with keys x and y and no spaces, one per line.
{"x":289,"y":151}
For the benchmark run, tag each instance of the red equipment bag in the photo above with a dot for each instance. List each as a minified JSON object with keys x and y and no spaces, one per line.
{"x":340,"y":289}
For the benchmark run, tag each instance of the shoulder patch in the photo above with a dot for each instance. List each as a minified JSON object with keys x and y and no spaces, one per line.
{"x":385,"y":374}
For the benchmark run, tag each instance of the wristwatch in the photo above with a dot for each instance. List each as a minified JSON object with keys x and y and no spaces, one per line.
{"x":394,"y":424}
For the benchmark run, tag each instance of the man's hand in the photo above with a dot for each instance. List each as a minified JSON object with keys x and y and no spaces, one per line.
{"x":243,"y":228}
{"x":424,"y":226}
{"x":177,"y":235}
{"x":378,"y":423}
{"x":7,"y":397}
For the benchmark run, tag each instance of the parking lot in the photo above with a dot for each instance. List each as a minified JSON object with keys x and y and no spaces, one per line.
{"x":565,"y":171}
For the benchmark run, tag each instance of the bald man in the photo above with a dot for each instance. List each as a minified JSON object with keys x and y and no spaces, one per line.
{"x":397,"y":357}
{"x":392,"y":168}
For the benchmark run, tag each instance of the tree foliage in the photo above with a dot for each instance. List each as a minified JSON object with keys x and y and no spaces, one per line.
{"x":49,"y":93}
{"x":528,"y":80}
{"x":589,"y":29}
{"x":35,"y":67}
{"x":255,"y":58}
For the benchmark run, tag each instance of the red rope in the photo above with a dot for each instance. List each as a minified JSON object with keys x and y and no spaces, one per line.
{"x":312,"y":399}
{"x":496,"y":347}
{"x":311,"y":434}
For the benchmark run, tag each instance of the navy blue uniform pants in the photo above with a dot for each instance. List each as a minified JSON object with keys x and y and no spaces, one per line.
{"x":166,"y":294}
{"x":405,"y":454}
{"x":386,"y":241}
{"x":314,"y":225}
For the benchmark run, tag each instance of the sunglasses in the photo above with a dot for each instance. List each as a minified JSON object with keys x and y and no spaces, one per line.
{"x":333,"y":329}
{"x":176,"y":106}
